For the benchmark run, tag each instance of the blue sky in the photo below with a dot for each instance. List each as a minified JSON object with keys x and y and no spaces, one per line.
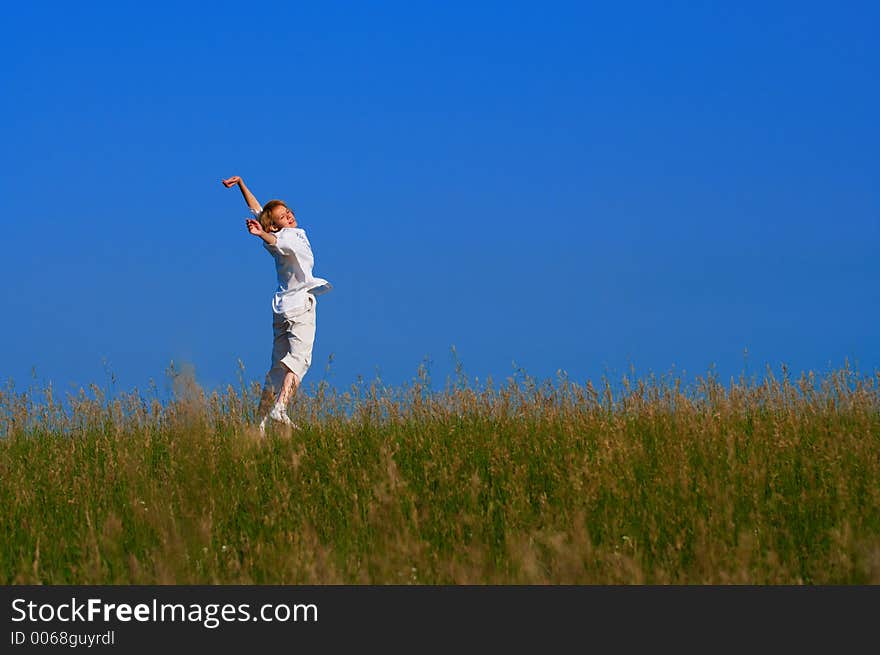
{"x":594,"y":189}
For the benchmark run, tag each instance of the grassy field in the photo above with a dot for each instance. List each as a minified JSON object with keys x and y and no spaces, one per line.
{"x":653,"y":481}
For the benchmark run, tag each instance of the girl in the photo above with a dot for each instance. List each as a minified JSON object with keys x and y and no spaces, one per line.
{"x":293,"y":303}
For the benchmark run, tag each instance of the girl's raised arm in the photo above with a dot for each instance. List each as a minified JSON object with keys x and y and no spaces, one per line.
{"x":249,"y":198}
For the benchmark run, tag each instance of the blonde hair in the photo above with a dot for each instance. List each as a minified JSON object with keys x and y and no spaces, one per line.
{"x":265,"y":216}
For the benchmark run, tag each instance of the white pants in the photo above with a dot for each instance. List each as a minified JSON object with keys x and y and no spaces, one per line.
{"x":292,"y":347}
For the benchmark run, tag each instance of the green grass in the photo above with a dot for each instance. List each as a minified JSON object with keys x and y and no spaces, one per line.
{"x":750,"y":482}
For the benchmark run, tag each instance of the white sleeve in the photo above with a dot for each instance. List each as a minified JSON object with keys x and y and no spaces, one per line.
{"x":272,"y":248}
{"x":288,"y":242}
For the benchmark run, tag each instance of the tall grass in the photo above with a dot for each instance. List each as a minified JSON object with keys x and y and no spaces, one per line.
{"x":646,"y":481}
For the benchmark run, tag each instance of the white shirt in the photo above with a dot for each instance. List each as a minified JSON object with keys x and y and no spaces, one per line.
{"x":293,"y":263}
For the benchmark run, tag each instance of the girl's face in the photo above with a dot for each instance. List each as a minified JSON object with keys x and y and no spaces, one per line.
{"x":282,"y":217}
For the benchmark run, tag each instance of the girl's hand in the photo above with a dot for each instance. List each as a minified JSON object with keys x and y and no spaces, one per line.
{"x":231,"y":181}
{"x":254,"y":227}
